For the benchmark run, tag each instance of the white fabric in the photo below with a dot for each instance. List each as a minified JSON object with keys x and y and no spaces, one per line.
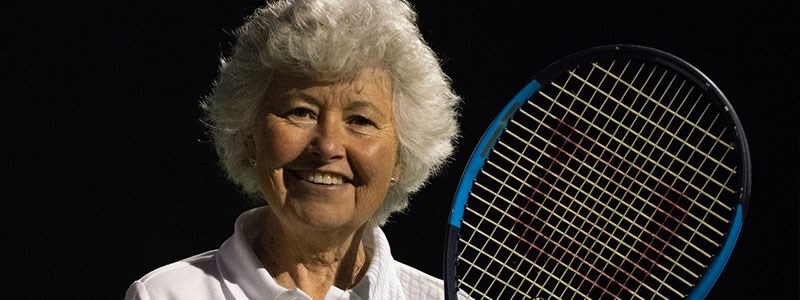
{"x":234,"y":272}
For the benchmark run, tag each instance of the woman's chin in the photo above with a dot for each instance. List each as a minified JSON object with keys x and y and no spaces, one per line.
{"x":323,"y":217}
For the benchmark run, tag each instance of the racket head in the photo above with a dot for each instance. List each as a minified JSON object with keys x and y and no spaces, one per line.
{"x":563,"y":129}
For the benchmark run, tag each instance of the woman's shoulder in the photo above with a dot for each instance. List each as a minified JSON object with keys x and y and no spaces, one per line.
{"x":182,"y":267}
{"x":190,"y":278}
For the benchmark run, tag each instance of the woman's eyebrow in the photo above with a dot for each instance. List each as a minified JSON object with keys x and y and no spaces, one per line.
{"x":294,"y":98}
{"x":301,"y":96}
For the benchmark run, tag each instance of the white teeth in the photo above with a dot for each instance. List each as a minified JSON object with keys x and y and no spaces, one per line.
{"x":326,"y":179}
{"x":322,"y":178}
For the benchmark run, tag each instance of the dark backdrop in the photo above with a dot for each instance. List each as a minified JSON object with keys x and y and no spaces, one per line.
{"x":108,"y":175}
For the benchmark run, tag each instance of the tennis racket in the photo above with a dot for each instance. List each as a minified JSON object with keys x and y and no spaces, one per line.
{"x":620,"y":172}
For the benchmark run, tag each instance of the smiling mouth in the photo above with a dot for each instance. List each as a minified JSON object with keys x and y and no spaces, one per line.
{"x":318,"y":177}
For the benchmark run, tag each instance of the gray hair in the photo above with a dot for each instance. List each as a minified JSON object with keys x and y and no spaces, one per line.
{"x":330,"y":39}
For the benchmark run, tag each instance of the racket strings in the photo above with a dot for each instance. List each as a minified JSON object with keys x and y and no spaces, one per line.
{"x":684,"y":120}
{"x":584,"y":181}
{"x":540,"y":152}
{"x":651,"y":262}
{"x":617,"y":207}
{"x":719,"y":195}
{"x":594,"y":206}
{"x":670,"y":154}
{"x":553,"y":134}
{"x":555,"y":229}
{"x":581,"y":219}
{"x":489,"y":254}
{"x":571,"y":261}
{"x":632,"y":146}
{"x":513,"y":166}
{"x":660,"y":229}
{"x":608,"y":179}
{"x":594,"y":243}
{"x":599,"y":214}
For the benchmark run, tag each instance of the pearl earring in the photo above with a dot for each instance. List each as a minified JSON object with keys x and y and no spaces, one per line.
{"x":392,"y":181}
{"x":253,"y":162}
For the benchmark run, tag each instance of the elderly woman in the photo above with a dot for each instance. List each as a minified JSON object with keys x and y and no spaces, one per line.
{"x":332,"y":112}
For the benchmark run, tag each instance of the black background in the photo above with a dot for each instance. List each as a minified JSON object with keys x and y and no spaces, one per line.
{"x":108,"y":175}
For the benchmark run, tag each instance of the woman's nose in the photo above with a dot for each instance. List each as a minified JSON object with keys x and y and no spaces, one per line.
{"x":328,"y":141}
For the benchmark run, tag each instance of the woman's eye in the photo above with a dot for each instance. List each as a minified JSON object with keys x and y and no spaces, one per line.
{"x":361,"y":121}
{"x":300,"y":113}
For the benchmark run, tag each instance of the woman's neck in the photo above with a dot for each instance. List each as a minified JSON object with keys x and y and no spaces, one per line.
{"x":311,"y":262}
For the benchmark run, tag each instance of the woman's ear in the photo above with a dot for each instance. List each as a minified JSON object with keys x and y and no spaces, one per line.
{"x":396,"y":173}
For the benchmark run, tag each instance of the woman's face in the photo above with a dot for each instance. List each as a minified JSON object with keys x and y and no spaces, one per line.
{"x":326,"y":151}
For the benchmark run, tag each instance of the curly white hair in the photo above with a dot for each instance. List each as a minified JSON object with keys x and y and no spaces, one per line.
{"x":330,"y":39}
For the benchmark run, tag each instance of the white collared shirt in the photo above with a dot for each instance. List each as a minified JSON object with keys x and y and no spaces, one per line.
{"x":234,"y":272}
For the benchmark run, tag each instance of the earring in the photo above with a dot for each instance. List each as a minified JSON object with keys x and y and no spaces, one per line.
{"x":392,"y":181}
{"x":253,"y":162}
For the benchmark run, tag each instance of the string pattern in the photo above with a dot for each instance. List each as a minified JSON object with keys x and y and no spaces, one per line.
{"x":615,"y":181}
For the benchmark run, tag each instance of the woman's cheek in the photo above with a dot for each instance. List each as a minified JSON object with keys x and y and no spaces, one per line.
{"x":382,"y":157}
